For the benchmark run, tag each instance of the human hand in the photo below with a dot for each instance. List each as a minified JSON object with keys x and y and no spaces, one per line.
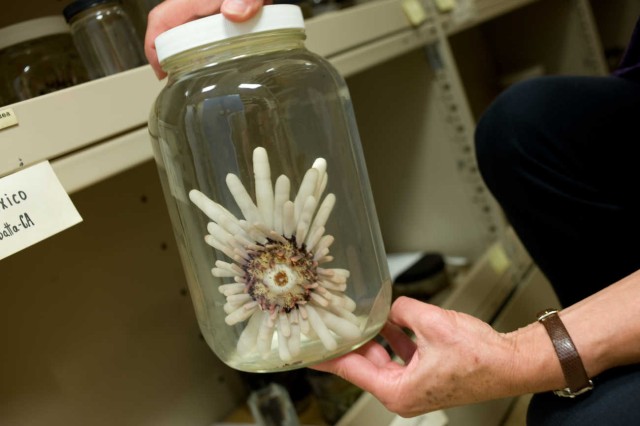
{"x":171,"y":13}
{"x":455,"y":359}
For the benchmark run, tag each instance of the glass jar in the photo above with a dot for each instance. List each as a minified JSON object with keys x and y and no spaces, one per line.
{"x":104,"y":36}
{"x":138,"y":11}
{"x":261,"y":164}
{"x":37,"y":57}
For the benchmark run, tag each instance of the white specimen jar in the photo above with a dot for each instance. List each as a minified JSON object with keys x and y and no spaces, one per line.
{"x":263,"y":172}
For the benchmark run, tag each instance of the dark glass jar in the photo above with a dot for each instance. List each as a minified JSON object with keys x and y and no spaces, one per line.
{"x":37,"y":57}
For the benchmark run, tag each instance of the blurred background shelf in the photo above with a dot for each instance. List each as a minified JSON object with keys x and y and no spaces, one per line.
{"x":103,"y":119}
{"x":102,"y":331}
{"x":64,"y":122}
{"x":467,"y":13}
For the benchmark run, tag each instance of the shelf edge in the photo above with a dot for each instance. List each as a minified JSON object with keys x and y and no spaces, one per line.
{"x":96,"y":163}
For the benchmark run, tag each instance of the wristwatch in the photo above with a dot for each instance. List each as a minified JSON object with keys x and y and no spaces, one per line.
{"x":578,"y":381}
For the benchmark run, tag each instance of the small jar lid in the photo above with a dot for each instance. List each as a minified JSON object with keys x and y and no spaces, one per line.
{"x":78,"y":6}
{"x":216,"y":27}
{"x":32,"y":29}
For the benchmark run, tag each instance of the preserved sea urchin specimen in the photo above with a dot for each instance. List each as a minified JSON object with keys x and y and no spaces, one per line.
{"x":279,"y":286}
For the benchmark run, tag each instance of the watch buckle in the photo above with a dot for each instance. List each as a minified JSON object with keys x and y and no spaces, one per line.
{"x":568,"y":393}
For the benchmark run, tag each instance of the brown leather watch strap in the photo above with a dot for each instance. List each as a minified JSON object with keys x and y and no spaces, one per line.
{"x":574,"y":373}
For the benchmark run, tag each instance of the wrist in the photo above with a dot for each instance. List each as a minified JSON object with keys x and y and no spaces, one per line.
{"x":602,"y":328}
{"x":576,"y":378}
{"x":591,"y":344}
{"x":535,"y":364}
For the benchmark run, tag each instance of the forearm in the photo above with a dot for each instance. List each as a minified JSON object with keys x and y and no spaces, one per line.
{"x":606,"y":326}
{"x":605,"y":329}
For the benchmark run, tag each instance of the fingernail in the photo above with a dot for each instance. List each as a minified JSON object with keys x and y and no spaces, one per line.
{"x":236,"y":7}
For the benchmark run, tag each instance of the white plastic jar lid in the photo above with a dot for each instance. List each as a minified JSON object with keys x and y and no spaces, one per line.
{"x":216,"y":27}
{"x":32,"y":29}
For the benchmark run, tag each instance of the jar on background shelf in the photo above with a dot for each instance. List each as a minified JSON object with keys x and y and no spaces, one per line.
{"x":424,"y":279}
{"x":37,"y":57}
{"x":261,"y":164}
{"x":139,"y":10}
{"x":104,"y":36}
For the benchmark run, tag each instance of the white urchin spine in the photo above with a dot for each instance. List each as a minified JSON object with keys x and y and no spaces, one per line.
{"x":276,"y":284}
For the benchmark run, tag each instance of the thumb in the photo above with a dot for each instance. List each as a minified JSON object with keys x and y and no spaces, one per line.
{"x":241,"y":10}
{"x":413,"y":314}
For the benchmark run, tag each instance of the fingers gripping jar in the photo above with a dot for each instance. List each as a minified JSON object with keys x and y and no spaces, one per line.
{"x":261,"y":164}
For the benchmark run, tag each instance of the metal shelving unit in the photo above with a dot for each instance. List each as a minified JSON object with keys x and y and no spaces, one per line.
{"x":104,"y":319}
{"x":469,"y":13}
{"x":79,"y":127}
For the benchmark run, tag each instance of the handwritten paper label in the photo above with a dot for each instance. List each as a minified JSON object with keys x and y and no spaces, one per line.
{"x":8,"y":118}
{"x":33,"y":207}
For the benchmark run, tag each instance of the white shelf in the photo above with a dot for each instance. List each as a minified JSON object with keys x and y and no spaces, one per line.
{"x":338,"y":31}
{"x":472,"y":12}
{"x":97,"y":129}
{"x":63,"y":122}
{"x":101,"y":161}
